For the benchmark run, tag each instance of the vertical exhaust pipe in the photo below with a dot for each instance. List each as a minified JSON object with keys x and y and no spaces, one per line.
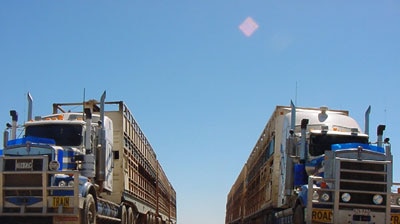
{"x":367,"y":112}
{"x":291,"y":147}
{"x":5,"y":138}
{"x":379,"y":131}
{"x":102,"y":101}
{"x":303,"y":151}
{"x":14,"y":118}
{"x":88,"y":143}
{"x":30,"y":103}
{"x":290,"y":152}
{"x":89,"y":162}
{"x":101,"y":151}
{"x":293,"y":116}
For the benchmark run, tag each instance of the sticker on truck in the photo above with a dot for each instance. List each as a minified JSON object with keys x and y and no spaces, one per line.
{"x":395,"y":219}
{"x":61,"y":201}
{"x":322,"y":215}
{"x":26,"y":164}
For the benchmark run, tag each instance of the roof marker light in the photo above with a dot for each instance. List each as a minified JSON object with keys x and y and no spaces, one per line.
{"x":323,"y":109}
{"x":377,"y":199}
{"x":354,"y":131}
{"x":346,"y":197}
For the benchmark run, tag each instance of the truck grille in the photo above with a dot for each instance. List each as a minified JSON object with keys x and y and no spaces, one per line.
{"x":23,"y":165}
{"x":363,"y":180}
{"x":26,"y":186}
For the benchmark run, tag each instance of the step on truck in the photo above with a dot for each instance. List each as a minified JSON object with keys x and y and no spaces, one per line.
{"x":90,"y":166}
{"x":314,"y":165}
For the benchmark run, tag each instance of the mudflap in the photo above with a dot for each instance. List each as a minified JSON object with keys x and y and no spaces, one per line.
{"x":25,"y":220}
{"x":66,"y":219}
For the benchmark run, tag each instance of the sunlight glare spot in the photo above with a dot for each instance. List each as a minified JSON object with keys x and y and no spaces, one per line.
{"x":248,"y":26}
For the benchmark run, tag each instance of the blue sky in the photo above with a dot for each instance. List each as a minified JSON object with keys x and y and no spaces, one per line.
{"x":200,"y":89}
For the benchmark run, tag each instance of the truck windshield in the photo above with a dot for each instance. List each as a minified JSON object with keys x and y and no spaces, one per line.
{"x":319,"y":143}
{"x":64,"y":135}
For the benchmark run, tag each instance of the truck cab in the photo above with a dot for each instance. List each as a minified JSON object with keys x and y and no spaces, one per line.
{"x":315,"y":165}
{"x":347,"y":178}
{"x":48,"y":173}
{"x":86,"y":163}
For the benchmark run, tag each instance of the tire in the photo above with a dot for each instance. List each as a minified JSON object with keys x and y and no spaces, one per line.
{"x":270,"y":218}
{"x":123,"y":215}
{"x":148,"y":218}
{"x":298,"y":215}
{"x":130,"y":216}
{"x":89,"y":210}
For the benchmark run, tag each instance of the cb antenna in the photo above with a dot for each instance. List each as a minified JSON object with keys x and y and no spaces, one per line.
{"x":83,"y":103}
{"x":295,"y":97}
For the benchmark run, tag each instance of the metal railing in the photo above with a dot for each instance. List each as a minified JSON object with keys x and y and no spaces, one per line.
{"x":354,"y":182}
{"x":49,"y":200}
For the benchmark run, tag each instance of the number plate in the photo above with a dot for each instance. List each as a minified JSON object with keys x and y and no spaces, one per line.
{"x":322,"y":215}
{"x":395,"y":219}
{"x":24,"y":165}
{"x":360,"y":211}
{"x":61,"y":201}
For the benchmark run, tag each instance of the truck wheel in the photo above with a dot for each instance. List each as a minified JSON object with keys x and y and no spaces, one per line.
{"x":158,"y":220}
{"x":89,"y":210}
{"x":270,"y":218}
{"x":151,"y":218}
{"x":123,"y":215}
{"x":298,"y":215}
{"x":131,"y":218}
{"x":148,"y":218}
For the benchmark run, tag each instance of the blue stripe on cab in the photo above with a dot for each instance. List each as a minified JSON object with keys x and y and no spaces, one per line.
{"x":60,"y":153}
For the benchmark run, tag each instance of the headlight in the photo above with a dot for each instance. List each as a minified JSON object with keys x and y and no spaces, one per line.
{"x":62,"y":184}
{"x":315,"y":195}
{"x":71,"y":183}
{"x":398,"y":201}
{"x":54,"y":165}
{"x":325,"y":197}
{"x":377,"y":199}
{"x":346,"y":197}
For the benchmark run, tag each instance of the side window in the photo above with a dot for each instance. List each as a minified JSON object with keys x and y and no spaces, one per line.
{"x":271,"y":147}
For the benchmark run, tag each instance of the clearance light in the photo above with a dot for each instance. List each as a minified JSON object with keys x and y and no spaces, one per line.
{"x":377,"y":199}
{"x":354,"y":130}
{"x":346,"y":197}
{"x":54,"y":165}
{"x":325,"y":197}
{"x":315,"y":195}
{"x":62,"y":184}
{"x":60,"y":117}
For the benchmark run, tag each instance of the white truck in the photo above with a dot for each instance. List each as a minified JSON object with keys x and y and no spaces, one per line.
{"x":90,"y":166}
{"x":314,"y":165}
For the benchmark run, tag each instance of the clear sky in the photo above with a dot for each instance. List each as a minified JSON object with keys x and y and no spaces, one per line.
{"x":200,"y":88}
